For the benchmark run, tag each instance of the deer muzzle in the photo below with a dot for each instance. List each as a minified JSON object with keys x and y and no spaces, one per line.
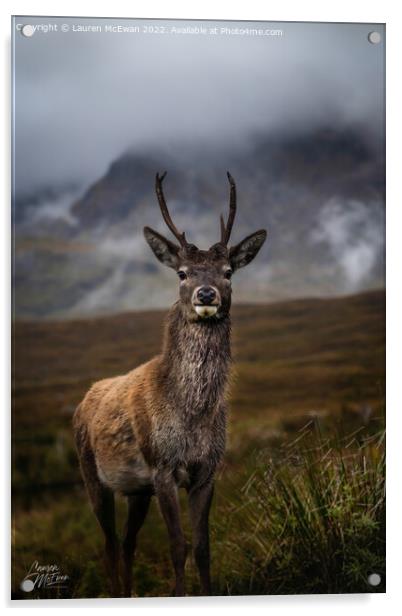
{"x":206,"y":301}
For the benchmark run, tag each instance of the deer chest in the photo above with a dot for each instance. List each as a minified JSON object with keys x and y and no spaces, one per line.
{"x":181,"y":442}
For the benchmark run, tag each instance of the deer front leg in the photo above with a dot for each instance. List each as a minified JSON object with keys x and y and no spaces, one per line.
{"x":137,"y":510}
{"x":200,"y":498}
{"x":166,"y":492}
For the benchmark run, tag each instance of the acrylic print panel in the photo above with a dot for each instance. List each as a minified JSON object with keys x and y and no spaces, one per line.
{"x":216,"y":386}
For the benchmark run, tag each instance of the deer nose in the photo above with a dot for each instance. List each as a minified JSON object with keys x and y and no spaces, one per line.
{"x":206,"y":295}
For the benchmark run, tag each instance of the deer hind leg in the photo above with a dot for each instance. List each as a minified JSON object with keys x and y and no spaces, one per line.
{"x":102,"y":501}
{"x":138,"y":506}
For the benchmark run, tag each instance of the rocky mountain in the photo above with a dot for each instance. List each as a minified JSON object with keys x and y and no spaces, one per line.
{"x":320,"y":195}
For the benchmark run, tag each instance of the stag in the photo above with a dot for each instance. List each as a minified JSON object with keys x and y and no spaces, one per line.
{"x":162,"y":426}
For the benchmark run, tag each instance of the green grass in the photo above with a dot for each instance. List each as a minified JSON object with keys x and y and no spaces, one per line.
{"x":310,"y":521}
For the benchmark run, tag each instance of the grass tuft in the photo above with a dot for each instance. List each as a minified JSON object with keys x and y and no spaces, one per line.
{"x":309,"y":521}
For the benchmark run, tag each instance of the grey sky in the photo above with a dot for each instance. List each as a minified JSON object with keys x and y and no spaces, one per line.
{"x":81,"y":99}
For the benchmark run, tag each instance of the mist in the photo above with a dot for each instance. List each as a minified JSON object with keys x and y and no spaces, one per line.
{"x":82,"y":99}
{"x":353,"y":234}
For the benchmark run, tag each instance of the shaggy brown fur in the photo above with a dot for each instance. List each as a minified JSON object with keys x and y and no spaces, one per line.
{"x":162,"y":426}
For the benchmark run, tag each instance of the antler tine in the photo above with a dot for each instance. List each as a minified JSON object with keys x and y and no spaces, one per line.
{"x":227,"y":229}
{"x":165,"y":212}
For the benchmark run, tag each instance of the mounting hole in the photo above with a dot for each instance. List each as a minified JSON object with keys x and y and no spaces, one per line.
{"x":374,"y":38}
{"x":374,"y":579}
{"x":27,"y":585}
{"x":27,"y":30}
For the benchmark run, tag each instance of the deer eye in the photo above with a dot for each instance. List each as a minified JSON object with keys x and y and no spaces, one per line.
{"x":228,"y":274}
{"x":182,"y":275}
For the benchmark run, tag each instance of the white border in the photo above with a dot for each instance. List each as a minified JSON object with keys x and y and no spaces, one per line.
{"x":284,"y":10}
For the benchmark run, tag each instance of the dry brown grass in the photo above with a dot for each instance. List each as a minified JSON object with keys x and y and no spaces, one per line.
{"x":297,"y":361}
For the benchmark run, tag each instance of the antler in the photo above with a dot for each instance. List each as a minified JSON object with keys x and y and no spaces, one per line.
{"x":227,"y":229}
{"x":165,"y":212}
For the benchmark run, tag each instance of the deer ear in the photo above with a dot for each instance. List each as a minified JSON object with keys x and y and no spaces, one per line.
{"x":163,"y":249}
{"x":244,"y":252}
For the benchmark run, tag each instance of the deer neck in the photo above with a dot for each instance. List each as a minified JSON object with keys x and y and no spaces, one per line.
{"x":196,"y":357}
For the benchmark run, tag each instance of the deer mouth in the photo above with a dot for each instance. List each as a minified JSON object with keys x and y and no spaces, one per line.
{"x":205,"y":311}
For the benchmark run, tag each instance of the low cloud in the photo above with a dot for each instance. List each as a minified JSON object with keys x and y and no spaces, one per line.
{"x":81,"y":100}
{"x":353,"y":233}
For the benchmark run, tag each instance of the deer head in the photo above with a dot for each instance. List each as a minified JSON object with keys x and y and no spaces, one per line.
{"x":205,"y":275}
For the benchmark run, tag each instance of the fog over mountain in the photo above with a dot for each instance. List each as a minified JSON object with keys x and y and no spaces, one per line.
{"x":320,"y":196}
{"x":297,"y":119}
{"x":83,"y":99}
